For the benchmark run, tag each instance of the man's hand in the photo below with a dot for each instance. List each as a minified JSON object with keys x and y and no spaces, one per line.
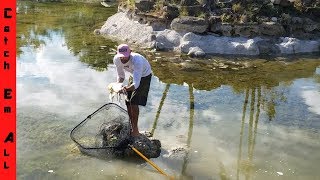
{"x":123,"y":90}
{"x":127,"y":88}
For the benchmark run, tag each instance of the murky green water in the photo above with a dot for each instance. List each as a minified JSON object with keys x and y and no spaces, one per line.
{"x":256,"y":119}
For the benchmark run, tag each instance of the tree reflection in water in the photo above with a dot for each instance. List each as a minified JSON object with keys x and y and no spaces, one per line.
{"x":243,"y":165}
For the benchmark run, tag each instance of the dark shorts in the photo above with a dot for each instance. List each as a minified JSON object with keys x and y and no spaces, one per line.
{"x":140,"y":95}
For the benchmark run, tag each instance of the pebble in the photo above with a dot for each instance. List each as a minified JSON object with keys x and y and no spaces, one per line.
{"x":280,"y":173}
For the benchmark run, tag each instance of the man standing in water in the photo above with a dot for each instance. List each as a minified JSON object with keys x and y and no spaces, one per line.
{"x":139,"y":82}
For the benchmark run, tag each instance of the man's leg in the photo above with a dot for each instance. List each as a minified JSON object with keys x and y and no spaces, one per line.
{"x":133,"y":111}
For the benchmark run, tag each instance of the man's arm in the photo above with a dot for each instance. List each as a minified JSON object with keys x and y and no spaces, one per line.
{"x":120,"y":80}
{"x":120,"y":71}
{"x":129,"y":88}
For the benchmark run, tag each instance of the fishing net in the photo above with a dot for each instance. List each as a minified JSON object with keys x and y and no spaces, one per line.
{"x":104,"y":132}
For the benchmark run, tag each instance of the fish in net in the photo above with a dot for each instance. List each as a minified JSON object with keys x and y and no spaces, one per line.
{"x":106,"y":133}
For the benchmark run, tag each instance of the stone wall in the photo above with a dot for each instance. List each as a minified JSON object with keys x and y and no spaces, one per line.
{"x":169,"y":28}
{"x":232,"y":20}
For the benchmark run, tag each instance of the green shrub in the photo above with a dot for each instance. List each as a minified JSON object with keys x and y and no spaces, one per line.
{"x":183,"y":11}
{"x":298,"y":5}
{"x":237,"y":8}
{"x":226,"y":18}
{"x":201,"y":15}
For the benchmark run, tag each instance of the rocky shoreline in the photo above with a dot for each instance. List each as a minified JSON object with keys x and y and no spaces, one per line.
{"x":193,"y":36}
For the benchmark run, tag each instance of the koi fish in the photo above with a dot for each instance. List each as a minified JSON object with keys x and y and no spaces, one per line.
{"x":114,"y":91}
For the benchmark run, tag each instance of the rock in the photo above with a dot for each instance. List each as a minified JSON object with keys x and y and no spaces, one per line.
{"x":274,"y":19}
{"x":160,"y":46}
{"x":267,"y":47}
{"x":189,"y":2}
{"x":310,"y":25}
{"x":157,"y":23}
{"x":170,"y":12}
{"x":314,"y":11}
{"x":196,"y":52}
{"x":271,"y":29}
{"x":178,"y":152}
{"x":224,"y":29}
{"x":96,"y":31}
{"x":285,"y":19}
{"x":310,"y":3}
{"x":116,"y":134}
{"x":144,"y":5}
{"x":297,"y":20}
{"x":149,"y":148}
{"x":188,"y":66}
{"x":290,"y":45}
{"x":120,"y":27}
{"x":214,"y":19}
{"x":284,"y":3}
{"x":246,"y":30}
{"x":195,"y":10}
{"x":127,"y":30}
{"x":189,"y":24}
{"x":168,"y":39}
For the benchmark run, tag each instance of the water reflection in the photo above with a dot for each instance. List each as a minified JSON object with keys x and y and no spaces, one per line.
{"x":248,"y":159}
{"x":77,"y":21}
{"x":252,"y":132}
{"x":190,"y":130}
{"x":164,"y":95}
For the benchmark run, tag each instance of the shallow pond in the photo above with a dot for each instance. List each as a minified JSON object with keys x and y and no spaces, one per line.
{"x":240,"y":119}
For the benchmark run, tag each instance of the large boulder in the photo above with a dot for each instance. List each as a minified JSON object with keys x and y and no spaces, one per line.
{"x":290,"y":45}
{"x":219,"y":45}
{"x":149,"y":148}
{"x":168,"y":39}
{"x":116,"y":134}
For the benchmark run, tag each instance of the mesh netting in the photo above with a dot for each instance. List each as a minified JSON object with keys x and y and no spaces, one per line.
{"x":91,"y":134}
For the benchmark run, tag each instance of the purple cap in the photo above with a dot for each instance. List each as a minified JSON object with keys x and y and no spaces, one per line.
{"x":123,"y":50}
